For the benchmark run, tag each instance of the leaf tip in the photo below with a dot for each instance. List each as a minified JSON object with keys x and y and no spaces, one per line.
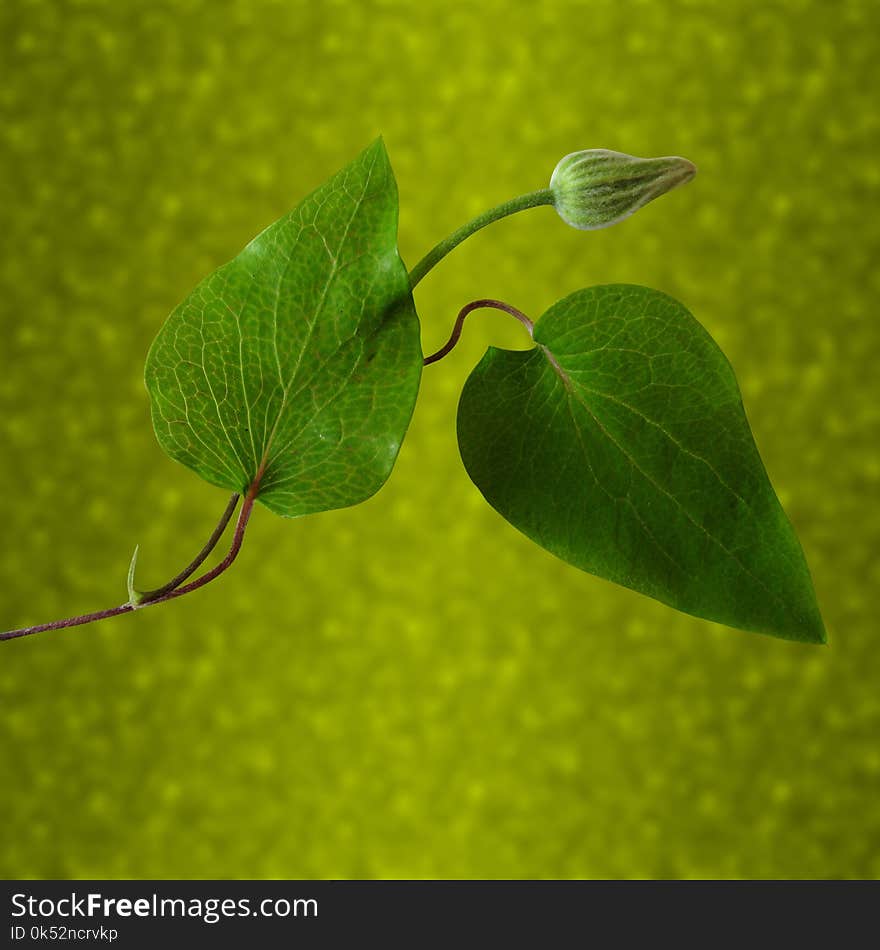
{"x":821,"y":638}
{"x":811,"y":631}
{"x":812,"y":627}
{"x":377,"y":145}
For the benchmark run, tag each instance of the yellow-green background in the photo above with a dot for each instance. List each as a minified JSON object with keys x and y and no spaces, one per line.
{"x":411,"y":688}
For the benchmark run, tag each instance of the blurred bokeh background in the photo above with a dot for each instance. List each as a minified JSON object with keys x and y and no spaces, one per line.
{"x":411,"y":688}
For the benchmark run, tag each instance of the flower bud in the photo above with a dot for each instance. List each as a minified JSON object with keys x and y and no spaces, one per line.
{"x":597,"y":187}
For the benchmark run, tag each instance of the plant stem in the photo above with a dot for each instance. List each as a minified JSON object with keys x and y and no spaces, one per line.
{"x":145,"y":597}
{"x":532,"y":200}
{"x":237,"y":539}
{"x":69,"y":622}
{"x":459,"y":324}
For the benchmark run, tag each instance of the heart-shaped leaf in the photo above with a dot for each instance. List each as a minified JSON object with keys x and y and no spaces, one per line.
{"x":297,"y":364}
{"x":620,"y":444}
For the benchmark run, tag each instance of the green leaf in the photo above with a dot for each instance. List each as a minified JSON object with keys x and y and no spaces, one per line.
{"x":297,"y":364}
{"x":620,"y":444}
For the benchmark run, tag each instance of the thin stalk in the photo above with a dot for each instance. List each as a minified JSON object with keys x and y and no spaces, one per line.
{"x":145,"y":597}
{"x":459,"y":324}
{"x":69,"y":622}
{"x":532,"y":200}
{"x":237,"y":539}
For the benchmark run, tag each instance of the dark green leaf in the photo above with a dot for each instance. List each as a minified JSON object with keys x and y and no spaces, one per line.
{"x":298,"y":362}
{"x":620,"y":444}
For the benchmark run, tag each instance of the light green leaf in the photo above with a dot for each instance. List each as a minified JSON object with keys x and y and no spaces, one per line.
{"x":620,"y":444}
{"x":297,"y":363}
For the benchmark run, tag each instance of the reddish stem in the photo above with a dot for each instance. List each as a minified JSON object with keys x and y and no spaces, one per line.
{"x":237,"y":539}
{"x":149,"y":596}
{"x":459,"y":324}
{"x":69,"y":622}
